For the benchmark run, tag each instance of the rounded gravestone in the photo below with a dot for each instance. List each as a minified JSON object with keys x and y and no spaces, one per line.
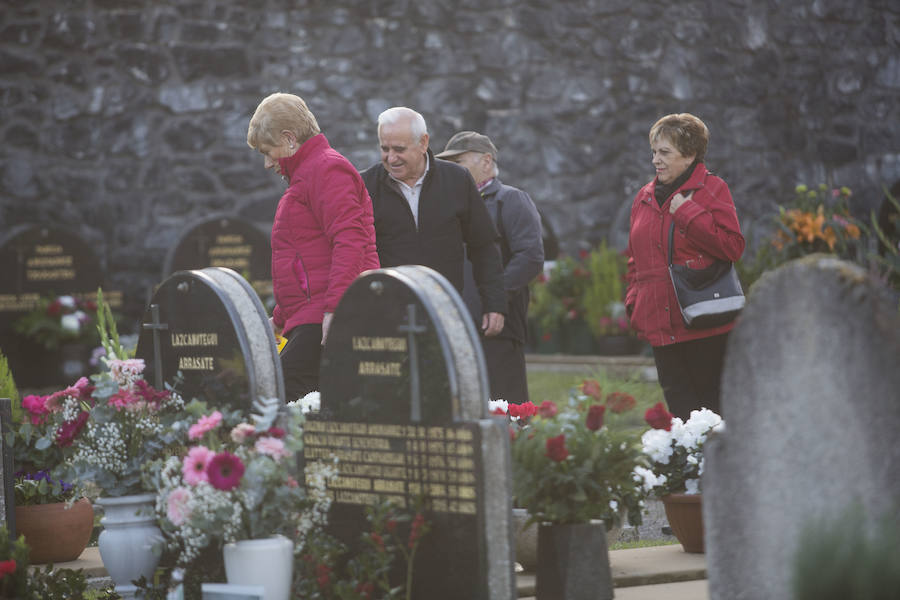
{"x":396,"y":331}
{"x":210,"y":326}
{"x":224,"y":241}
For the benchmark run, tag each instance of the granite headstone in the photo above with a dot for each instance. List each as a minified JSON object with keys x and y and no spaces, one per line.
{"x":404,"y":408}
{"x":811,"y":398}
{"x":225,"y":241}
{"x":209,"y":326}
{"x":38,"y":261}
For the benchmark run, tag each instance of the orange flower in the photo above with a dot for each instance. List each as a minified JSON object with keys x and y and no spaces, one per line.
{"x":830,"y":237}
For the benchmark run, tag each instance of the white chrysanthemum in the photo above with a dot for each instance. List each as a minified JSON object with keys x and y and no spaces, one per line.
{"x":657,"y":444}
{"x":70,"y":323}
{"x":647,"y":478}
{"x":692,"y":486}
{"x":311,"y":402}
{"x":493,"y":405}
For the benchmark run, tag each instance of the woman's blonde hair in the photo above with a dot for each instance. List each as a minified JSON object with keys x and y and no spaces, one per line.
{"x":688,"y":133}
{"x":279,"y":112}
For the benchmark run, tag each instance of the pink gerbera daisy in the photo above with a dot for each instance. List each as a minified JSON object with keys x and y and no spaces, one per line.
{"x":204,"y":424}
{"x":271,"y":446}
{"x":193,"y":468}
{"x":225,"y":471}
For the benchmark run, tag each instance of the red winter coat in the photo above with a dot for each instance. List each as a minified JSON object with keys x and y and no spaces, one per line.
{"x":706,"y":228}
{"x":323,"y":235}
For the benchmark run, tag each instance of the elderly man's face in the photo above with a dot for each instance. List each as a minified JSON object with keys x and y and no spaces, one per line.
{"x":402,"y":156}
{"x":478,"y":164}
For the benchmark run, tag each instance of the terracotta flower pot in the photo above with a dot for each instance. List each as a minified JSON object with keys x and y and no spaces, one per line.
{"x":685,"y":515}
{"x":55,"y":533}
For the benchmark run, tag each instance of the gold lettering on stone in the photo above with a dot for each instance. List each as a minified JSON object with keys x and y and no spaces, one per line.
{"x":244,"y":250}
{"x":230,"y":263}
{"x":229,"y":238}
{"x":196,"y":363}
{"x":379,"y":344}
{"x":49,"y":261}
{"x":48,"y":249}
{"x":50,"y":275}
{"x":379,"y":369}
{"x":195,"y":339}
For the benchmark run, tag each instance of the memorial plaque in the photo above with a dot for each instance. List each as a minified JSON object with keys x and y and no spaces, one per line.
{"x":404,"y":407}
{"x":210,"y":326}
{"x":225,"y":241}
{"x":37,"y":262}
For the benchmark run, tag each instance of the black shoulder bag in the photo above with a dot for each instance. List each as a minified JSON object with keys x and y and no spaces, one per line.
{"x":707,"y":297}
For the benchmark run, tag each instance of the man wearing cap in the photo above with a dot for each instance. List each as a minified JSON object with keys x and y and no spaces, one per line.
{"x":428,"y":211}
{"x":519,"y":224}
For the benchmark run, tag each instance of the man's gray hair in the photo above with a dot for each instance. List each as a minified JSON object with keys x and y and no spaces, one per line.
{"x":418,"y":128}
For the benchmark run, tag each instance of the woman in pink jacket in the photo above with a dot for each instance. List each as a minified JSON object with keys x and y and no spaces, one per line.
{"x":689,"y":361}
{"x":323,"y":235}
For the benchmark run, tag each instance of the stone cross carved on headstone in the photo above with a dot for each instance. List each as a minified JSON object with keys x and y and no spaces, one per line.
{"x":210,"y":327}
{"x":155,"y":327}
{"x":411,"y":328}
{"x":404,"y":408}
{"x":810,"y":399}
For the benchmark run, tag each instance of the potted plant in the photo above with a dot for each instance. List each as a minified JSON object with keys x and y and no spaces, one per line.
{"x":57,"y":526}
{"x":234,"y":491}
{"x":674,"y":449}
{"x":572,"y":471}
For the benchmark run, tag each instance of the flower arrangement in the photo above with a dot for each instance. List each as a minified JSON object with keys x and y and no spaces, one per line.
{"x":674,"y":449}
{"x":55,"y":321}
{"x":590,"y":288}
{"x":235,"y":480}
{"x":574,"y":463}
{"x":99,"y":434}
{"x":816,"y":220}
{"x":40,"y":488}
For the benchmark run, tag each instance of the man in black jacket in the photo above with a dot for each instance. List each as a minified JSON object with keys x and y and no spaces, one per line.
{"x":519,"y":224}
{"x":426,"y":209}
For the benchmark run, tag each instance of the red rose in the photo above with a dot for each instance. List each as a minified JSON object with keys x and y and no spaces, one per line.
{"x":390,"y":526}
{"x":323,"y":573}
{"x":583,"y":254}
{"x":547,"y":409}
{"x":591,"y":387}
{"x":594,"y":420}
{"x":556,"y":448}
{"x":7,"y":567}
{"x":415,"y":531}
{"x":276,"y":432}
{"x":377,"y":540}
{"x":658,"y":417}
{"x":547,"y":336}
{"x":54,"y":308}
{"x":619,"y":402}
{"x":526,"y":409}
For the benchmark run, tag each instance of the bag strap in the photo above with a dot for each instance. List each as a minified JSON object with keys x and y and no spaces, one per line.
{"x":671,"y":241}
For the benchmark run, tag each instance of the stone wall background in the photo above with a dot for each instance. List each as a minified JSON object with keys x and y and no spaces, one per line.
{"x":126,"y":119}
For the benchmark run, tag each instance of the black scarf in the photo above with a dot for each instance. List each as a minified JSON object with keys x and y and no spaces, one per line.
{"x":663,"y":190}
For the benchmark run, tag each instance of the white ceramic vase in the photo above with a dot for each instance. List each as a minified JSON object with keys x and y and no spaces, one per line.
{"x":268,"y":562}
{"x":126,"y":542}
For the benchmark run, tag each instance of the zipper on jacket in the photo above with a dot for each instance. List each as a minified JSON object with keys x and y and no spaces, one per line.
{"x":302,"y":278}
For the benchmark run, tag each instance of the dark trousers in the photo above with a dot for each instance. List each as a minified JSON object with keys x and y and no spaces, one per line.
{"x":300,"y":361}
{"x":690,"y":374}
{"x":505,"y":360}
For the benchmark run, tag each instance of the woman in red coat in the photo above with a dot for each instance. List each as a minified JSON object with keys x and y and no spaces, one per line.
{"x":689,"y":361}
{"x":323,"y":234}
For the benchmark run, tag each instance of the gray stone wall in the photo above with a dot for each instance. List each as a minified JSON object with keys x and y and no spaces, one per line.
{"x":126,"y":119}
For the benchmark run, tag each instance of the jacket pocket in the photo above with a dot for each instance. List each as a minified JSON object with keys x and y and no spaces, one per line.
{"x":302,"y":276}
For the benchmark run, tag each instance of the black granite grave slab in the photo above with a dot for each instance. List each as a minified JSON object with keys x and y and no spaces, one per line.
{"x":224,"y":241}
{"x":210,"y":326}
{"x":39,"y":261}
{"x":404,"y":408}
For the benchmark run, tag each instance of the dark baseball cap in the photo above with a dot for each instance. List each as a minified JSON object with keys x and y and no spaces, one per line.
{"x":468,"y":141}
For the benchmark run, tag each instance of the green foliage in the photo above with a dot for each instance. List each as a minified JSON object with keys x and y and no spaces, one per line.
{"x":326,"y":569}
{"x":8,"y":388}
{"x":107,"y":330}
{"x":40,"y":488}
{"x":555,"y":386}
{"x":17,"y":582}
{"x":594,"y":480}
{"x":591,"y":287}
{"x":848,"y":557}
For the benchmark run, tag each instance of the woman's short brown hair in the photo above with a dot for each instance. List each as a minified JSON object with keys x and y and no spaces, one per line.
{"x":688,"y":133}
{"x":279,"y":112}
